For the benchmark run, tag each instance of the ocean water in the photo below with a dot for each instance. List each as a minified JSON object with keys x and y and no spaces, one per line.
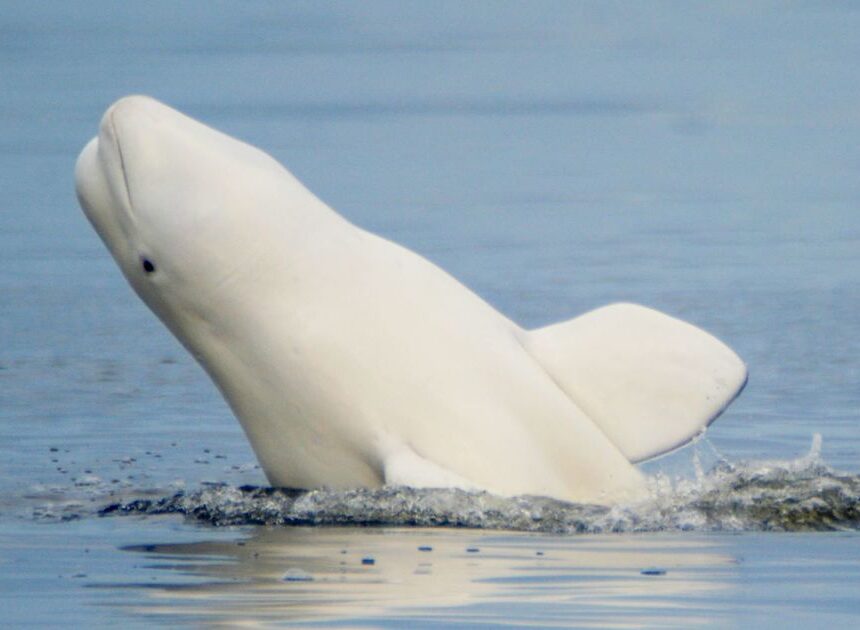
{"x":554,"y":156}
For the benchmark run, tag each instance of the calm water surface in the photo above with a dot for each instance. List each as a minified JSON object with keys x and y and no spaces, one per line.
{"x":702,"y":160}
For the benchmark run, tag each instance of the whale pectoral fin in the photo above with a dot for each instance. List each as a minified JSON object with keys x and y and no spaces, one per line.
{"x":649,"y":381}
{"x":404,"y":467}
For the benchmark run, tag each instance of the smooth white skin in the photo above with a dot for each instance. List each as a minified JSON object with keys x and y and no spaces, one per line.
{"x":349,"y":360}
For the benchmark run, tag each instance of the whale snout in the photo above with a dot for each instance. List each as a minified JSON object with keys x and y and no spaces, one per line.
{"x":86,"y":172}
{"x":103,"y":182}
{"x":132,"y":111}
{"x":129,"y":139}
{"x":97,"y":194}
{"x":133,"y":118}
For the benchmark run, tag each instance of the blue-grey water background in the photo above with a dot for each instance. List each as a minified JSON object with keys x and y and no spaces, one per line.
{"x":703,"y":159}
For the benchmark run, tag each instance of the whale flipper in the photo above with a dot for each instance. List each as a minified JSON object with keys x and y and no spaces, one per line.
{"x":404,"y":467}
{"x":649,"y":381}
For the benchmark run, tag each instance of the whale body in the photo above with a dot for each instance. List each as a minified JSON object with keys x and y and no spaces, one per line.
{"x":352,"y":361}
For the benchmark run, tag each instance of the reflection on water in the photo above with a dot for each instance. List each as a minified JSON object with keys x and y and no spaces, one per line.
{"x":375,"y":576}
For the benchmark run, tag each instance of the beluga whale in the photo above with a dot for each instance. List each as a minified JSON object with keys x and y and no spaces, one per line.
{"x":351,"y":361}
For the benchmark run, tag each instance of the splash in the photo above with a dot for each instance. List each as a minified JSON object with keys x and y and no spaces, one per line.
{"x":796,"y":495}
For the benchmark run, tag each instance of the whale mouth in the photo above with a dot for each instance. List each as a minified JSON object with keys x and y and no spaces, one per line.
{"x":95,"y":185}
{"x":121,"y":160}
{"x":103,"y":182}
{"x":114,"y":158}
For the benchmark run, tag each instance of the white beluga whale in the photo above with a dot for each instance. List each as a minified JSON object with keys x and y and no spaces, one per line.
{"x":351,"y":361}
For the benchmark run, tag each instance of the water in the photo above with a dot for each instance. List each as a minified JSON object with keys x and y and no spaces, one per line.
{"x":554,"y":157}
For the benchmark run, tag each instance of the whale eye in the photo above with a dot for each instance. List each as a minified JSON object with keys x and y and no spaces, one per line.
{"x":148,"y":266}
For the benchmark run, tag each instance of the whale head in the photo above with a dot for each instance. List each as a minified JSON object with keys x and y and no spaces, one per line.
{"x":164,"y":193}
{"x":186,"y":211}
{"x":216,"y":237}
